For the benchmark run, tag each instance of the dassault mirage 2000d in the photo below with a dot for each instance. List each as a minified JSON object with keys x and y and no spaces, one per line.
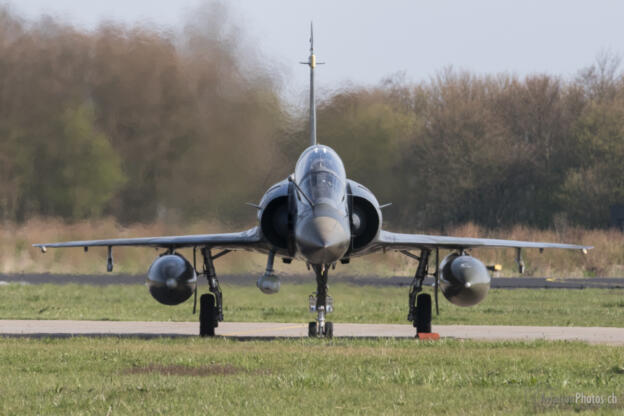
{"x":320,"y":217}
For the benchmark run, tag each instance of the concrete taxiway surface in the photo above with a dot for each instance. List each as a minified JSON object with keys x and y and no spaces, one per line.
{"x":268,"y":330}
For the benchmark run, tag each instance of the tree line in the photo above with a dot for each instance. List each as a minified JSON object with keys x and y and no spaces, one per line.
{"x":142,"y":124}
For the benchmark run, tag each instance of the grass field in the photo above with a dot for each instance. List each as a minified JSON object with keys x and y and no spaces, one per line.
{"x":109,"y":376}
{"x":356,"y":304}
{"x":123,"y":376}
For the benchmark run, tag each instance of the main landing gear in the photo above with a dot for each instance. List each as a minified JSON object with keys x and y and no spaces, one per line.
{"x":420,"y":303}
{"x":210,"y":304}
{"x":322,"y":304}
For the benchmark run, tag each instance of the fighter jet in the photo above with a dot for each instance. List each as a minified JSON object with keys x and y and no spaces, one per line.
{"x":319,"y":216}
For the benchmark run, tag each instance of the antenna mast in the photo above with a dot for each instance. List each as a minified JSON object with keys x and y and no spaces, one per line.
{"x":311,"y":62}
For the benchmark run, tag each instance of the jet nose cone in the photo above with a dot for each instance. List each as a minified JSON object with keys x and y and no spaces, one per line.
{"x":322,"y":239}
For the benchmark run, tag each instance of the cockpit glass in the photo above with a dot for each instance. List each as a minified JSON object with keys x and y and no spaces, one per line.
{"x":321,"y":185}
{"x":320,"y":173}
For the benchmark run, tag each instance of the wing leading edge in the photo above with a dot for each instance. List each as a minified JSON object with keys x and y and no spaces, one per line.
{"x":250,"y":239}
{"x":396,"y":241}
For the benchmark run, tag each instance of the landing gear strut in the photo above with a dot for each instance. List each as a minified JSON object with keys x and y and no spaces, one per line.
{"x":322,"y":304}
{"x":420,"y":303}
{"x":210,"y":304}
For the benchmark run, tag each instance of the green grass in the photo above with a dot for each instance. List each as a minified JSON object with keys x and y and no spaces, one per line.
{"x":345,"y":376}
{"x":219,"y":376}
{"x":588,"y":307}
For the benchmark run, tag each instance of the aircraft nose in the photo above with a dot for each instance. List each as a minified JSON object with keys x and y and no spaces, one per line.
{"x":322,"y":239}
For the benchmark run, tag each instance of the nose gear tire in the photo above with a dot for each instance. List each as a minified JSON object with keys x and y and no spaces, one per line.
{"x":329,"y":329}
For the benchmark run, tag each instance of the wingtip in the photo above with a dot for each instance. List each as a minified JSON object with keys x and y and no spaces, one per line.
{"x":41,"y":247}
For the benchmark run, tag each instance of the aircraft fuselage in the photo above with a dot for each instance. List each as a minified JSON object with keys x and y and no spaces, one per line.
{"x":322,"y":230}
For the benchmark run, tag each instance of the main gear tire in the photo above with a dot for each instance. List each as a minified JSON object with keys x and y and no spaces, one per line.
{"x":208,"y":315}
{"x":422,"y":320}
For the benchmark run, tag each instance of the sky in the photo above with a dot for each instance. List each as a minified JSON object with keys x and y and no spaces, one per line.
{"x":363,"y":42}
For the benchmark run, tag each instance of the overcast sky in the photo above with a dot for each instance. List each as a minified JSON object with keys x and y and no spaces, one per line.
{"x":365,"y":41}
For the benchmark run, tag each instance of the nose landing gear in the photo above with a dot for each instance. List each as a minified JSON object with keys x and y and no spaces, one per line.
{"x":322,"y":304}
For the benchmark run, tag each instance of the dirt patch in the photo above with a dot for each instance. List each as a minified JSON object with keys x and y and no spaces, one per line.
{"x":181,"y":370}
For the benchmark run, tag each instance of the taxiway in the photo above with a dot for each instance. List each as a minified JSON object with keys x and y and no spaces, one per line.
{"x":271,"y":330}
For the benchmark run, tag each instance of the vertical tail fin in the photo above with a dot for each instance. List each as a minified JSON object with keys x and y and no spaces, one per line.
{"x":311,"y":62}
